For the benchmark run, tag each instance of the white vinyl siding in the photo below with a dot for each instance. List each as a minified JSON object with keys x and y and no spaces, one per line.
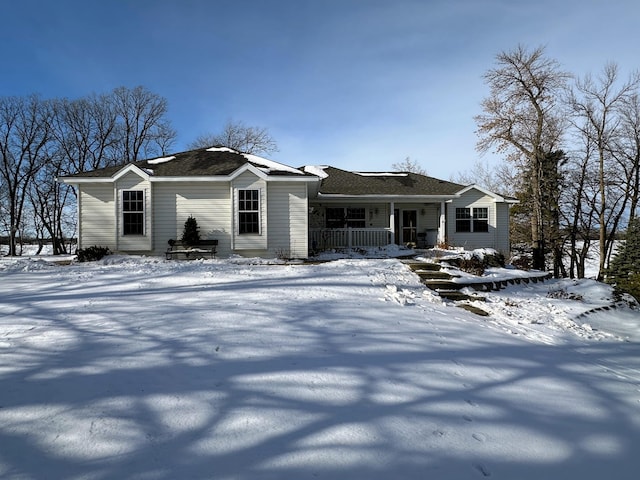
{"x":97,"y":215}
{"x":288,"y":219}
{"x":208,"y":203}
{"x":503,"y":239}
{"x":472,"y":199}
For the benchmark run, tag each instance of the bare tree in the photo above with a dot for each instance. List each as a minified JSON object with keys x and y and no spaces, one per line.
{"x":522,"y":119}
{"x":24,"y":149}
{"x":237,"y":135}
{"x":496,"y":178}
{"x":142,"y":130}
{"x":408,"y":165}
{"x":628,"y":149}
{"x":599,"y":102}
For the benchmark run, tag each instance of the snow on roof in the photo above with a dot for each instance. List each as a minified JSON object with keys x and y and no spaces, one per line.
{"x":380,"y":174}
{"x":158,"y":160}
{"x":222,"y":149}
{"x":270,"y":165}
{"x":317,"y":170}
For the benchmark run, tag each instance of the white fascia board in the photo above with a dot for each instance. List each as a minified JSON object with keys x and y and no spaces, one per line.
{"x":119,"y":174}
{"x":133,"y":169}
{"x":495,"y":196}
{"x":386,"y":198}
{"x":247,"y":167}
{"x":80,"y":180}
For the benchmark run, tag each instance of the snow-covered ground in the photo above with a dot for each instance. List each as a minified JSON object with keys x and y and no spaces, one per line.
{"x":141,"y":368}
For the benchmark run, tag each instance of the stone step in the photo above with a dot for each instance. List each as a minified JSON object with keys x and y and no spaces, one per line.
{"x":413,"y":265}
{"x":443,"y":285}
{"x":432,"y":275}
{"x":456,"y":296}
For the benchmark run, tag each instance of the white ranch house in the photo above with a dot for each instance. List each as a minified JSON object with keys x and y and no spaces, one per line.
{"x":257,"y":207}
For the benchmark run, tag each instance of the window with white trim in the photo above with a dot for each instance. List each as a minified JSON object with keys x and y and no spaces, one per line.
{"x":349,"y":217}
{"x":248,"y":211}
{"x":474,"y":219}
{"x":481,"y":219}
{"x":133,"y":212}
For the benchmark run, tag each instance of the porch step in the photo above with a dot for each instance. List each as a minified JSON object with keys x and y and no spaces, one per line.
{"x":416,"y":265}
{"x":456,"y":296}
{"x":432,"y":275}
{"x":444,"y":285}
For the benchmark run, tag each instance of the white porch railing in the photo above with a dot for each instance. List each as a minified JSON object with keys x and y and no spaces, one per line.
{"x":327,"y":238}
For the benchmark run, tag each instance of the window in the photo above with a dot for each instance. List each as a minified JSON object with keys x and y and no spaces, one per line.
{"x":248,"y":211}
{"x":133,"y":212}
{"x":472,"y":219}
{"x":356,"y":218}
{"x":335,"y":217}
{"x":346,"y":217}
{"x":463,"y":219}
{"x":480,"y":219}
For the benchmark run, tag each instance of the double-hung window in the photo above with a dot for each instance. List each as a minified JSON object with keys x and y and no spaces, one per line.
{"x":474,"y":219}
{"x":480,"y":219}
{"x":248,"y":211}
{"x":463,"y":219}
{"x":341,"y":217}
{"x":335,"y":217}
{"x":133,"y":212}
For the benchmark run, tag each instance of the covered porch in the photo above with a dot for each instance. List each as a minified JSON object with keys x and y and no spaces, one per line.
{"x":349,"y":224}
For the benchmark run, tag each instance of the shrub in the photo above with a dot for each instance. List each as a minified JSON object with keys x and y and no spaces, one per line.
{"x":522,"y":262}
{"x":472,"y":265}
{"x":478,"y":261}
{"x":624,"y":270}
{"x":92,"y":254}
{"x":190,"y":234}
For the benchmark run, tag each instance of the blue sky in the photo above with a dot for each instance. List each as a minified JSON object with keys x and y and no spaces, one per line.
{"x":358,"y":84}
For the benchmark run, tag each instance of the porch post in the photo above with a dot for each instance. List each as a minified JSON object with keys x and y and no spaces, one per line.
{"x":443,"y":223}
{"x":392,"y":221}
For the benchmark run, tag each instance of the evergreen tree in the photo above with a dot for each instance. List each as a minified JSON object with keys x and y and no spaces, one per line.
{"x":624,"y":271}
{"x":191,"y":233}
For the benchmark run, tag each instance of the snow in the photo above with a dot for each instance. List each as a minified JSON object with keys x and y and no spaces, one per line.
{"x":381,"y":174}
{"x":267,"y":165}
{"x":317,"y":170}
{"x":270,"y":165}
{"x":156,"y":161}
{"x":142,"y":368}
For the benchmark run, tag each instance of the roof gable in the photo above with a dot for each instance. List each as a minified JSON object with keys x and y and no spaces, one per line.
{"x":495,"y":196}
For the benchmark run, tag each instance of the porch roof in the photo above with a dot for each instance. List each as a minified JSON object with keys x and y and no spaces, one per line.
{"x":405,"y":184}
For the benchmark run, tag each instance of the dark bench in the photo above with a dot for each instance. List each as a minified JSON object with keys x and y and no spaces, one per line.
{"x":204,"y":248}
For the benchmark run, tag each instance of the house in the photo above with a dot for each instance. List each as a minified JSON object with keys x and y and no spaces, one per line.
{"x":258,"y":207}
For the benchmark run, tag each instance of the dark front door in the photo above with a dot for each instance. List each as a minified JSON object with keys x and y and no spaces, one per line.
{"x":409,"y":226}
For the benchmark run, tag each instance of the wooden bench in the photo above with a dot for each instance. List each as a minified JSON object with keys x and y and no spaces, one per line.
{"x":203,"y":249}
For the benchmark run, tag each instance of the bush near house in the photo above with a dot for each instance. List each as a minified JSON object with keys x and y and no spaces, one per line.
{"x":92,"y":254}
{"x":191,"y":232}
{"x":477,"y":261}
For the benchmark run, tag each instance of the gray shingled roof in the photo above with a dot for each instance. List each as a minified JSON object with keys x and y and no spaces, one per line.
{"x":342,"y":182}
{"x":201,"y":162}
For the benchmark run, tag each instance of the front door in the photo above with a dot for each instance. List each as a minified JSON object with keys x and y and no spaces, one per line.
{"x":409,"y":226}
